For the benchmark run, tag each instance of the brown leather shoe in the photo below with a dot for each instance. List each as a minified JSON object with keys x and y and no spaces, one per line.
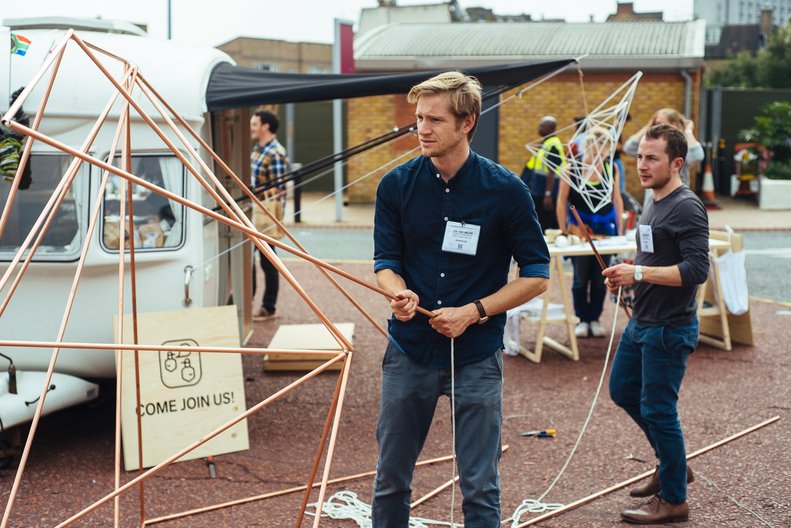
{"x":657,"y":511}
{"x":652,"y":486}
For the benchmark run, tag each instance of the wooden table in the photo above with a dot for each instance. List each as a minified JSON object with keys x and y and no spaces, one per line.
{"x":565,"y":315}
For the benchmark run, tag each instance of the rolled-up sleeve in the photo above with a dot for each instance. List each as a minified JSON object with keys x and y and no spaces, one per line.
{"x":523,"y":232}
{"x":693,"y":243}
{"x":388,"y":238}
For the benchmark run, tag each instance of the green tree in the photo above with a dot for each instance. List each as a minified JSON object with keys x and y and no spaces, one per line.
{"x":770,"y":68}
{"x":773,"y":130}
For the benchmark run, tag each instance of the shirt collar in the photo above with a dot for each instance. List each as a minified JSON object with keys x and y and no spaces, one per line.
{"x":459,"y":176}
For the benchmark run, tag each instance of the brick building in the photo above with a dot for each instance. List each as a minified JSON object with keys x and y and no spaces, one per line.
{"x":670,"y":55}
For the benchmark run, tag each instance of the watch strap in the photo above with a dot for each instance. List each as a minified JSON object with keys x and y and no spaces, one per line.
{"x":481,"y":310}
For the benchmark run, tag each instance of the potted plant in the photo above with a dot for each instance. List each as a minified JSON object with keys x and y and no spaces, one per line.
{"x":773,"y":130}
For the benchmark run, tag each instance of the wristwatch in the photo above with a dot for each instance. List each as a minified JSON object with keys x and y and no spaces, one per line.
{"x":481,"y":312}
{"x":638,"y":273}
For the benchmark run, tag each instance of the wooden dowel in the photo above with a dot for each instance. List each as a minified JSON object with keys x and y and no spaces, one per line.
{"x":435,"y":491}
{"x":641,"y":476}
{"x":280,"y":493}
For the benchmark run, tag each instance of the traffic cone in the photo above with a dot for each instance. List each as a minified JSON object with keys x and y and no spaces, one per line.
{"x":709,"y":198}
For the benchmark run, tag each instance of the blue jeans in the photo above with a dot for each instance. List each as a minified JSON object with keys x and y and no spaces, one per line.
{"x":410,"y":392}
{"x":645,"y":379}
{"x":588,"y":289}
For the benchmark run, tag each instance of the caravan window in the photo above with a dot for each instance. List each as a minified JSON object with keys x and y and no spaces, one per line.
{"x":63,"y":238}
{"x":158,"y":221}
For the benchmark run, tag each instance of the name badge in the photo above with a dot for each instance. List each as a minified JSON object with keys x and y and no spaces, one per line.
{"x":461,"y":238}
{"x":646,"y":239}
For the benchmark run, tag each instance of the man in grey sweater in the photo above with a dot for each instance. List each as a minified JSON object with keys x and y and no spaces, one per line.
{"x":672,"y":260}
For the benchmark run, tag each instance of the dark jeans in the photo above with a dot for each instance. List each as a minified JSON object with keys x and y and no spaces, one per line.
{"x":645,"y":379}
{"x":588,"y":289}
{"x":410,"y":392}
{"x":271,"y":281}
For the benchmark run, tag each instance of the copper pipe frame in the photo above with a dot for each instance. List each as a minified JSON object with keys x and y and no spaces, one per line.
{"x":228,"y":204}
{"x":48,"y":212}
{"x":280,"y":493}
{"x":240,"y":215}
{"x":250,"y":232}
{"x":29,"y":144}
{"x":319,"y":451}
{"x":133,"y":286}
{"x":333,"y":438}
{"x":641,"y":476}
{"x":598,"y":256}
{"x":120,"y":332}
{"x":256,"y":239}
{"x":256,"y":202}
{"x":54,"y":202}
{"x":167,"y":348}
{"x":252,"y":410}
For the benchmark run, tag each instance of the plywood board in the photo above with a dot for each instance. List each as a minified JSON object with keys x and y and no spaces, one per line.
{"x":305,"y":337}
{"x":184,"y":395}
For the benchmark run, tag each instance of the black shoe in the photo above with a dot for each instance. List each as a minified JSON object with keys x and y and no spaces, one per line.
{"x":263,"y":314}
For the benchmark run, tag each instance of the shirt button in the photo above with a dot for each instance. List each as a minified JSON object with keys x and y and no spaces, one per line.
{"x":438,"y":175}
{"x":446,"y":218}
{"x":439,"y":302}
{"x":441,"y":274}
{"x":447,"y":190}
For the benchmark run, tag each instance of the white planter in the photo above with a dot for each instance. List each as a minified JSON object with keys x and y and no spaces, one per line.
{"x":774,"y":194}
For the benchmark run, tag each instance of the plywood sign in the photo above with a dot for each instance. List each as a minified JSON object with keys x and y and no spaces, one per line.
{"x":305,"y":337}
{"x":184,"y":395}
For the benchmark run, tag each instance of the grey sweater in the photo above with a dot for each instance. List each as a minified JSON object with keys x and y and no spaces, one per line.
{"x":680,"y":235}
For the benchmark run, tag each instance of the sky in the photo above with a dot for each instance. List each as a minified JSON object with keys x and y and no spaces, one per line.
{"x":213,"y":22}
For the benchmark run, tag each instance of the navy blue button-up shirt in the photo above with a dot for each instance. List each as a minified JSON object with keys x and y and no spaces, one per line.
{"x":413,"y":203}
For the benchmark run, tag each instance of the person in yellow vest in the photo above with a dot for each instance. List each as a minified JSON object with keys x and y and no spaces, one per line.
{"x":541,"y":173}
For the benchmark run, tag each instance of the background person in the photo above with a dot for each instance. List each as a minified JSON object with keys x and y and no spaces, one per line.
{"x":446,"y":227}
{"x":588,"y":289}
{"x":541,"y":173}
{"x":677,"y":120}
{"x":672,"y":260}
{"x":268,"y":163}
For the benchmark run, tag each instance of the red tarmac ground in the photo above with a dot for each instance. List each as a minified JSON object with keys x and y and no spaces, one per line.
{"x":71,"y":463}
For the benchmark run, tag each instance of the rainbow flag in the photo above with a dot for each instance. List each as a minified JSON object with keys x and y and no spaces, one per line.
{"x":19,"y":44}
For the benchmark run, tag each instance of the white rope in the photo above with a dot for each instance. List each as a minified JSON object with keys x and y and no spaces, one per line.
{"x":453,"y":426}
{"x":346,"y":506}
{"x":536,"y":505}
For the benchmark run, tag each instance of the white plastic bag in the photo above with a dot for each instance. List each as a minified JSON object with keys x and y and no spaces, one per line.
{"x":733,"y":279}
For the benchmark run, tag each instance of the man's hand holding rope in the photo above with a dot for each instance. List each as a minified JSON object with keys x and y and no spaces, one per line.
{"x":452,"y":322}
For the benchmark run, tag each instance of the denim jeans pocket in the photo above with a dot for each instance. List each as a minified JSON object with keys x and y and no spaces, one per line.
{"x":682,"y":338}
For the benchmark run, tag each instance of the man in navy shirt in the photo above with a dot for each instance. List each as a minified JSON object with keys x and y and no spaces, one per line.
{"x":446,"y":227}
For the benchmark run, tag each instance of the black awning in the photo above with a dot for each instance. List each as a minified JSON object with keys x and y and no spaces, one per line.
{"x":237,"y":87}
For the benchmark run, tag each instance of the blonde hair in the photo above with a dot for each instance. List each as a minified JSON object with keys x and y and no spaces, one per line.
{"x":596,"y":135}
{"x":465,"y":94}
{"x":674,"y":118}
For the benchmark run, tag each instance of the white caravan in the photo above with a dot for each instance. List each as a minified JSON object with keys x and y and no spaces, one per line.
{"x":176,"y":248}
